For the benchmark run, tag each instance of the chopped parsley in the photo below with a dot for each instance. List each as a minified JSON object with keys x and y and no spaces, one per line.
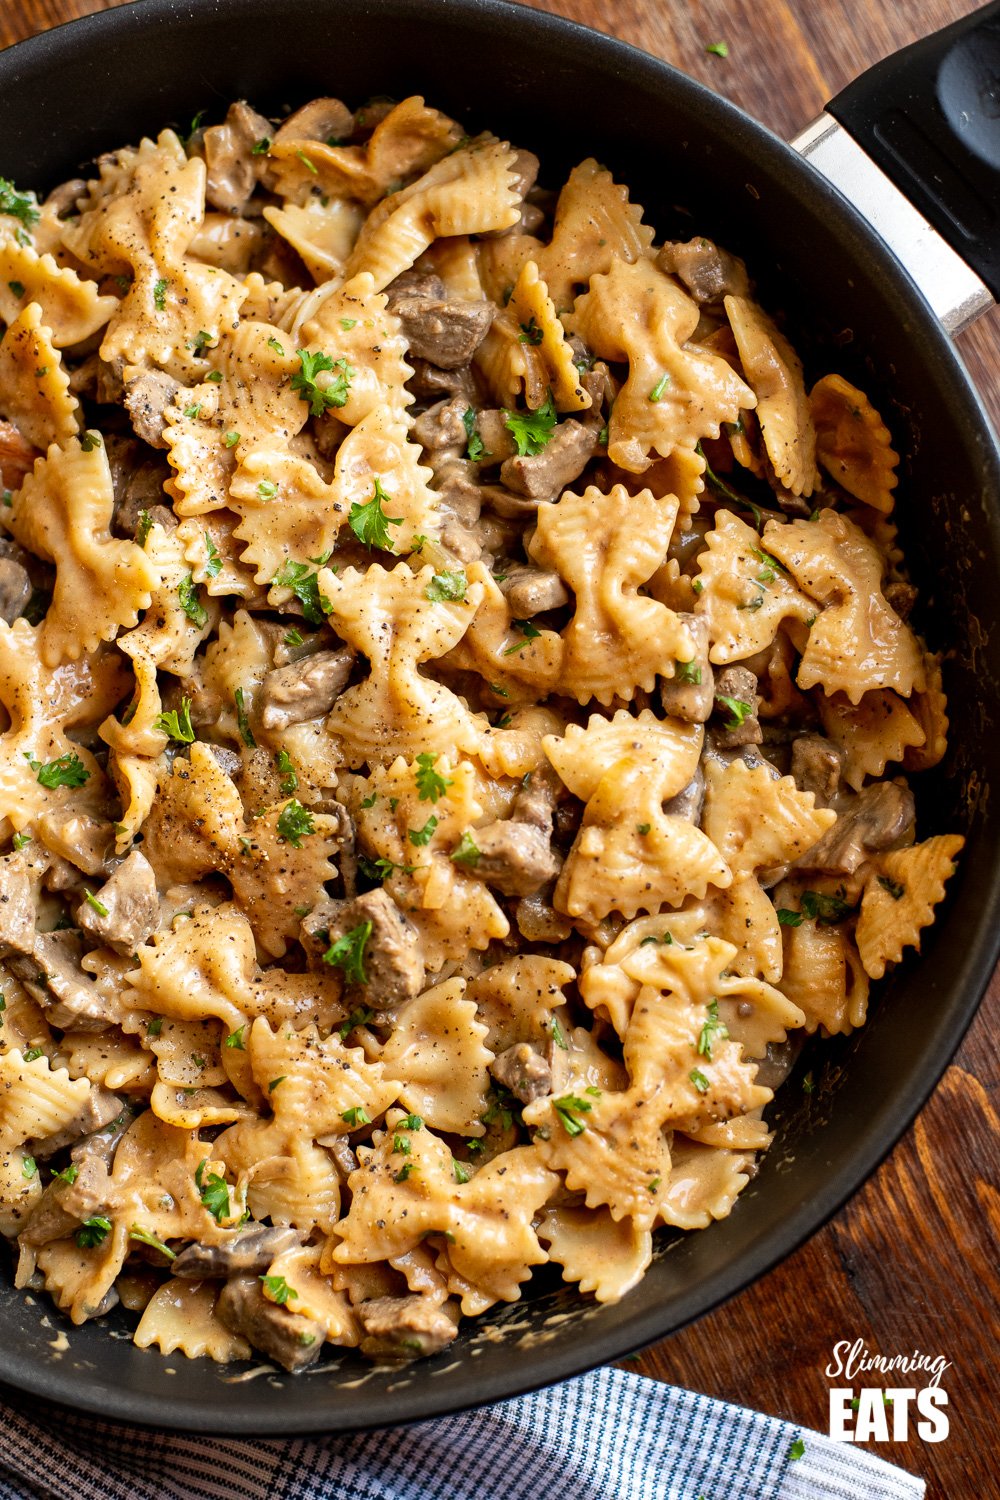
{"x":355,"y":1116}
{"x":19,"y":205}
{"x":267,"y":489}
{"x":819,"y":907}
{"x":558,"y":1035}
{"x":531,"y":431}
{"x":213,"y":1192}
{"x":293,"y":638}
{"x":294,"y":823}
{"x":421,"y":836}
{"x":528,"y":631}
{"x":370,"y":523}
{"x":348,"y":323}
{"x":90,"y":439}
{"x":65,"y":770}
{"x":305,"y":380}
{"x":303,"y":158}
{"x":275,"y":1083}
{"x":232,"y":438}
{"x":788,"y":918}
{"x":380,"y":869}
{"x":155,"y":1026}
{"x":199,"y":344}
{"x":687,"y":671}
{"x":722,"y":489}
{"x":160,"y":294}
{"x":739,"y":710}
{"x":243,"y":720}
{"x":146,"y":1238}
{"x":462,"y":1173}
{"x":447,"y":587}
{"x":713,"y":1031}
{"x":808,"y":1085}
{"x":34,"y":1052}
{"x":896,"y":891}
{"x":718,"y":49}
{"x":192,"y":411}
{"x":92,"y":900}
{"x":466,"y":852}
{"x":187,"y":597}
{"x":530,"y":333}
{"x":177,"y":723}
{"x":656,"y":394}
{"x":276,"y":1289}
{"x":304,"y":585}
{"x":403,"y":1172}
{"x":17,"y":287}
{"x":214,"y":565}
{"x":29,"y":1166}
{"x":797,"y":1449}
{"x":261,"y":148}
{"x":642,"y":829}
{"x":289,"y":775}
{"x":93,"y":1232}
{"x":68,"y":1174}
{"x":359,"y":1017}
{"x":569,"y":1108}
{"x":411,"y":1122}
{"x":348,"y":953}
{"x":237,"y":1039}
{"x":699,"y":1080}
{"x":215,"y":376}
{"x":474,"y":448}
{"x":20,"y":839}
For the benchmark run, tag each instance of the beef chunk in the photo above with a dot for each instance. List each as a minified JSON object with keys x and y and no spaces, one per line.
{"x":52,"y":975}
{"x":689,"y":800}
{"x":536,"y":798}
{"x":531,"y":591}
{"x":233,"y":169}
{"x":525,"y":1072}
{"x":305,"y":689}
{"x":17,"y":906}
{"x":445,"y":330}
{"x":740,"y":686}
{"x":294,"y":1341}
{"x":428,"y":383}
{"x":394,"y":969}
{"x":442,"y":426}
{"x":138,"y":484}
{"x":398,"y":1328}
{"x":63,"y":1206}
{"x":708,"y":272}
{"x":15,"y":589}
{"x":880,"y":817}
{"x":563,"y":459}
{"x":516,"y":858}
{"x":816,"y":767}
{"x":248,"y":1253}
{"x":146,"y":399}
{"x":100,"y":1109}
{"x":690,"y":693}
{"x":131,"y":907}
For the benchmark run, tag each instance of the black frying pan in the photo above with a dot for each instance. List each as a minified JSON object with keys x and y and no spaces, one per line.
{"x":696,"y":164}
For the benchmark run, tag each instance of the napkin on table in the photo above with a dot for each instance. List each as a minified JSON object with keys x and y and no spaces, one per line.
{"x":609,"y":1435}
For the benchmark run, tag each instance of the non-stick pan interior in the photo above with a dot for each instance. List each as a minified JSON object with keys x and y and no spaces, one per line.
{"x":698,"y":166}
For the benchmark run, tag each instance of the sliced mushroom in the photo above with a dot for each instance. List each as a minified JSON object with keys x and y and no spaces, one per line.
{"x":248,"y":1253}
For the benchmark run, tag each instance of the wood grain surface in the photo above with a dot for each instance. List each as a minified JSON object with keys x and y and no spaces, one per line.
{"x":912,"y":1262}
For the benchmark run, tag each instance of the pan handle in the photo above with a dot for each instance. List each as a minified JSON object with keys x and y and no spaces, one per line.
{"x":915,"y":144}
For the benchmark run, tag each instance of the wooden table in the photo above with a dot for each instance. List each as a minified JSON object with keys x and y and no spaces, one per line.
{"x":912,"y":1261}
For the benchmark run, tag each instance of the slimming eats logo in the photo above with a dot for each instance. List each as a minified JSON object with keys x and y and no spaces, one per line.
{"x":883,"y":1413}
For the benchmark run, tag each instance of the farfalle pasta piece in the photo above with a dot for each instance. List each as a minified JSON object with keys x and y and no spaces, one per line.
{"x":745,"y":592}
{"x":515,"y":999}
{"x":757,"y":822}
{"x":72,"y":309}
{"x":438,"y":1047}
{"x":410,"y":139}
{"x":63,"y":513}
{"x":853,"y":443}
{"x":879,"y":730}
{"x":471,"y":191}
{"x":323,"y":1081}
{"x":284,"y":1175}
{"x":36,"y":1100}
{"x":34,"y":388}
{"x":276,"y":870}
{"x":322,"y":231}
{"x":676,"y":393}
{"x":595,"y":226}
{"x":824,"y":977}
{"x":35,"y":698}
{"x":606,"y":546}
{"x":110,"y":1059}
{"x":488,"y":1219}
{"x":532,"y":307}
{"x":602,"y":1256}
{"x":858,"y":642}
{"x":629,"y":855}
{"x":400,"y":619}
{"x":900,"y":897}
{"x":703,"y":1185}
{"x":181,"y":1315}
{"x":774,"y":371}
{"x":452,"y":910}
{"x":353,"y":322}
{"x":313,"y":1294}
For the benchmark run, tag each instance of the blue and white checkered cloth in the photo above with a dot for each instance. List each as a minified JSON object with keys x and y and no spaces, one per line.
{"x":609,"y":1435}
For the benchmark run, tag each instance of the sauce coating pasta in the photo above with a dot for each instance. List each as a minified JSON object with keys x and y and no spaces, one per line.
{"x":458,"y":700}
